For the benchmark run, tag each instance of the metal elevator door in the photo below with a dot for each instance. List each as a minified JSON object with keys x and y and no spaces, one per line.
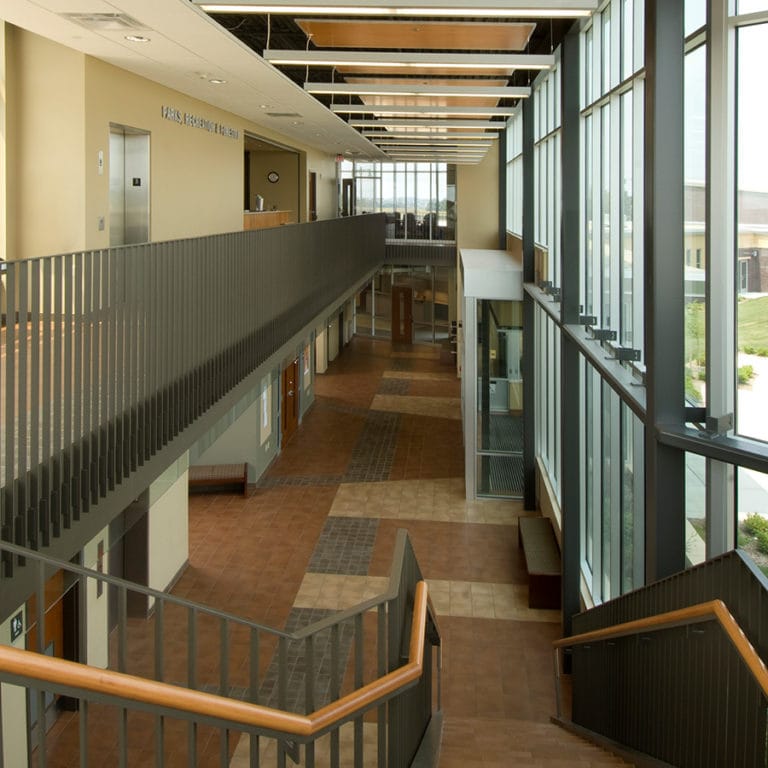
{"x":128,"y":186}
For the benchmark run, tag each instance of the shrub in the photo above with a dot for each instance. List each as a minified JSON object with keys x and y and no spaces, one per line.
{"x":749,"y":350}
{"x":746,"y":373}
{"x":762,"y":542}
{"x":754,"y":524}
{"x":762,"y":351}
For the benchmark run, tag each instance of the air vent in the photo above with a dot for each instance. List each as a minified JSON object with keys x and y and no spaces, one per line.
{"x":105,"y":22}
{"x":283,"y":114}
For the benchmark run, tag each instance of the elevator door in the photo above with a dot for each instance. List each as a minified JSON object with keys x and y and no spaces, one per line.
{"x":128,"y":186}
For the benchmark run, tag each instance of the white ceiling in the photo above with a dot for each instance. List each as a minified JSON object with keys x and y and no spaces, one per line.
{"x":185,"y":51}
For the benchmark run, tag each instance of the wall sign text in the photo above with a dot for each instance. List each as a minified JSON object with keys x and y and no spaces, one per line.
{"x":195,"y":121}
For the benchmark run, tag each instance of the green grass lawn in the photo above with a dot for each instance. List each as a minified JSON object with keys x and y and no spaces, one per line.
{"x":752,"y":329}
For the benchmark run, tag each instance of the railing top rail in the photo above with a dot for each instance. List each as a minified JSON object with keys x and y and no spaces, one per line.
{"x":16,"y":663}
{"x":336,"y":618}
{"x":713,"y":610}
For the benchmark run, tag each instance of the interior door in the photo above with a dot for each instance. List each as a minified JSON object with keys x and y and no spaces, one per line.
{"x":402,"y":314}
{"x":289,"y":401}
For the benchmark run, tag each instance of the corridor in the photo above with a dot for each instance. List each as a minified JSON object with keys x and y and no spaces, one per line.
{"x":381,"y":449}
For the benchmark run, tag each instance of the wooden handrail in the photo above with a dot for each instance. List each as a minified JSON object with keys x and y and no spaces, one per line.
{"x":714,"y":609}
{"x":27,"y":664}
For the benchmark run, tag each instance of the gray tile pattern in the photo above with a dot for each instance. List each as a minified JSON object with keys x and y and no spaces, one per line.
{"x":394,"y":386}
{"x":345,"y":546}
{"x":296,"y":666}
{"x":371,"y":459}
{"x":279,"y":481}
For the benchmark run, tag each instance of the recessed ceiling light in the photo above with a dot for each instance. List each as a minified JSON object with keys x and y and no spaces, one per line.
{"x":137,"y":39}
{"x":217,"y":81}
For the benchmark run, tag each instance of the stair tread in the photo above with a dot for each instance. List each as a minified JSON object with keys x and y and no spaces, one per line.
{"x":489,"y":742}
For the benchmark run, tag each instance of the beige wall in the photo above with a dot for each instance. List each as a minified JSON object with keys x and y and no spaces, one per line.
{"x":168,"y":528}
{"x":284,"y":194}
{"x":97,"y":646}
{"x":14,"y":711}
{"x":46,"y":150}
{"x":477,"y":202}
{"x":60,"y":107}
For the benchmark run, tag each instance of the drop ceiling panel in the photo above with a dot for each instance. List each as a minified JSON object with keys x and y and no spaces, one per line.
{"x":422,"y":35}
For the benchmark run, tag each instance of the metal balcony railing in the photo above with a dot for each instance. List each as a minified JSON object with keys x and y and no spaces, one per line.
{"x":106,"y":356}
{"x":190,"y":679}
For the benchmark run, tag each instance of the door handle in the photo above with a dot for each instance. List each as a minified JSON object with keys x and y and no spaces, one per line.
{"x":290,"y":393}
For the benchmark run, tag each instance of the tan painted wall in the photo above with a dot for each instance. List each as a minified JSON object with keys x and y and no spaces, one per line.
{"x":61,"y":104}
{"x":46,"y":150}
{"x":14,"y":711}
{"x":97,"y":631}
{"x":477,"y":202}
{"x":284,"y":194}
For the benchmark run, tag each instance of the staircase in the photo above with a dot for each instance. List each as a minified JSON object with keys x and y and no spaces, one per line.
{"x":489,"y":743}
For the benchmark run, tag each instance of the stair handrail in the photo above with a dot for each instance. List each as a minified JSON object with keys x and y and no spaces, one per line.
{"x":18,"y":665}
{"x":694,"y":614}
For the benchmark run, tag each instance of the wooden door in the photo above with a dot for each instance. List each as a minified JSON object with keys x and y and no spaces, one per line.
{"x":312,"y":196}
{"x":402,"y":314}
{"x":289,"y":400}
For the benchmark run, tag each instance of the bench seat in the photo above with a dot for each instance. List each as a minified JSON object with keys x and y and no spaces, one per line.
{"x":542,"y":561}
{"x":211,"y":477}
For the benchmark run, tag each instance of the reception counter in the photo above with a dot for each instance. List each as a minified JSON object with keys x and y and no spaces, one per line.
{"x":263,"y":219}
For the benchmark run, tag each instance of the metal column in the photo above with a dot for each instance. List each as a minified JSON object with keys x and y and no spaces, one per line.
{"x":664,"y":296}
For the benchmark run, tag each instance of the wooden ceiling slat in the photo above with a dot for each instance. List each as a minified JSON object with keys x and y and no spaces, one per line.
{"x":417,"y":35}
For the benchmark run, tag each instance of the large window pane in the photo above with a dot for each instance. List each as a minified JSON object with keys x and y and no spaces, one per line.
{"x":632,"y":500}
{"x":752,"y":499}
{"x":627,"y":190}
{"x":694,"y":243}
{"x":752,"y":228}
{"x":695,"y":15}
{"x":695,"y":509}
{"x":605,"y":218}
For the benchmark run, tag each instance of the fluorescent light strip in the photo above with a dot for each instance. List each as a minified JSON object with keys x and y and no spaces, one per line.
{"x":387,"y":143}
{"x":391,"y":122}
{"x":408,"y":109}
{"x":462,"y":91}
{"x":429,"y":135}
{"x":435,"y":151}
{"x":488,"y":9}
{"x":405,"y":60}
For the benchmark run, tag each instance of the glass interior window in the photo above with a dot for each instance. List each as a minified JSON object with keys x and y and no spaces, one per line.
{"x":695,"y":509}
{"x":752,"y":516}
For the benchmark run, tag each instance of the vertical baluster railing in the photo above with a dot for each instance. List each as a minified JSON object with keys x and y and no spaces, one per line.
{"x":82,"y":656}
{"x":335,"y":689}
{"x":282,"y":690}
{"x":86,"y":322}
{"x":253,"y":692}
{"x":10,"y":411}
{"x":20,"y":511}
{"x":309,"y":694}
{"x":39,"y":693}
{"x":224,"y":685}
{"x":192,"y":680}
{"x":79,"y":361}
{"x":159,"y":619}
{"x":359,"y":680}
{"x":381,"y":669}
{"x":122,"y":666}
{"x":92,"y":363}
{"x":33,"y":469}
{"x":46,"y":488}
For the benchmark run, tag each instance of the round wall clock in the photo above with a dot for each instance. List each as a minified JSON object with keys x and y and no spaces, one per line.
{"x":273,"y":176}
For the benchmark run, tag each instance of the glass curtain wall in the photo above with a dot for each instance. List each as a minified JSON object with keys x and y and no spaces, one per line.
{"x":419,"y":199}
{"x":611,"y":290}
{"x":750,"y":261}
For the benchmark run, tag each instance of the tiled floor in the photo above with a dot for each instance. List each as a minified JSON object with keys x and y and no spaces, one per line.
{"x":380,"y":450}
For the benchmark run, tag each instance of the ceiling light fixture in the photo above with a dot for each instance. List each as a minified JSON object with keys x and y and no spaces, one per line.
{"x":422,"y":143}
{"x":468,"y":92}
{"x":449,"y":8}
{"x":390,"y":122}
{"x":429,"y":135}
{"x":419,"y":60}
{"x":217,"y":81}
{"x":137,"y":39}
{"x":409,"y":109}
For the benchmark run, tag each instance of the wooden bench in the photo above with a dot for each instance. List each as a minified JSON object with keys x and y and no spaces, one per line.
{"x":542,"y":561}
{"x":214,"y":477}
